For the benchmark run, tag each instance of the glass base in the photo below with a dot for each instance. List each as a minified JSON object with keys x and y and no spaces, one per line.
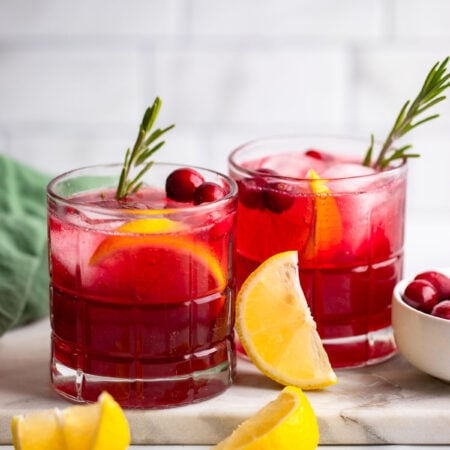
{"x":355,"y":351}
{"x":154,"y":393}
{"x":363,"y":350}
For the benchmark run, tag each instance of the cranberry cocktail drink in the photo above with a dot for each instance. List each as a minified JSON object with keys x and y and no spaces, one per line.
{"x":341,"y":204}
{"x":345,"y":220}
{"x":142,"y":286}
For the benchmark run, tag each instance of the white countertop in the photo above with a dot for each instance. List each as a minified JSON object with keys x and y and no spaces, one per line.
{"x":388,"y":403}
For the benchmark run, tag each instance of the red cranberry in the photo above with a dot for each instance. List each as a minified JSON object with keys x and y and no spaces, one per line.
{"x":181,"y":184}
{"x":442,"y":310}
{"x":278,"y":196}
{"x":208,"y":192}
{"x":439,"y":281}
{"x":318,"y":155}
{"x":251,"y":192}
{"x":421,"y":295}
{"x":251,"y":189}
{"x":266,"y":171}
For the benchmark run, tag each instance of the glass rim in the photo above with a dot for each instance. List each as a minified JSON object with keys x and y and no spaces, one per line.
{"x":228,"y":197}
{"x":392,"y":170}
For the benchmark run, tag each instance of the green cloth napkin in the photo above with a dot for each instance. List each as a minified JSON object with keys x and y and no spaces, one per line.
{"x":24,"y":275}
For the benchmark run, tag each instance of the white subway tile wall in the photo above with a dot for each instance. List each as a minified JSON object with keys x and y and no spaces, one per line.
{"x":75,"y":77}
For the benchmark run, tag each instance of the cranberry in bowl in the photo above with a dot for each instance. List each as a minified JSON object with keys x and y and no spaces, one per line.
{"x":421,"y":321}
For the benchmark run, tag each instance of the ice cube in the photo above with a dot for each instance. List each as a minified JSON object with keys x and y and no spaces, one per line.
{"x":354,"y":177}
{"x":293,"y":164}
{"x":357,"y":189}
{"x":346,"y":170}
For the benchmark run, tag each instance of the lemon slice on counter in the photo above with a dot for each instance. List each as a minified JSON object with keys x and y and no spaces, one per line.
{"x":38,"y":430}
{"x":286,"y":423}
{"x":276,"y":328}
{"x":98,"y":426}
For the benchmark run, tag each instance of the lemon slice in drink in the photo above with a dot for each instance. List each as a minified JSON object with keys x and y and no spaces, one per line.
{"x":98,"y":426}
{"x":126,"y":235}
{"x":286,"y":423}
{"x":276,"y":328}
{"x":160,"y":255}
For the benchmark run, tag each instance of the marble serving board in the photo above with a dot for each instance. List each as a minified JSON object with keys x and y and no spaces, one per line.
{"x":388,"y":403}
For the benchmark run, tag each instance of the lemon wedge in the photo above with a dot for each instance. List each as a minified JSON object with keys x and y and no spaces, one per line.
{"x":286,"y":423}
{"x":98,"y":426}
{"x":38,"y":430}
{"x":276,"y":329}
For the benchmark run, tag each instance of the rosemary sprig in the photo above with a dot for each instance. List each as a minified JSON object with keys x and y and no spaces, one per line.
{"x":142,"y":151}
{"x":434,"y":85}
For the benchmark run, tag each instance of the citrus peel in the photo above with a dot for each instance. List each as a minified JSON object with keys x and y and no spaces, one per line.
{"x":276,"y":328}
{"x":286,"y":423}
{"x":97,"y":426}
{"x":167,"y":237}
{"x":327,"y":231}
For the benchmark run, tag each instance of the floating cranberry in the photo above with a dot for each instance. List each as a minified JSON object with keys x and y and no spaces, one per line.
{"x":208,"y":192}
{"x":442,"y":310}
{"x":262,"y":192}
{"x":278,"y":196}
{"x":181,"y":184}
{"x":251,"y":189}
{"x":421,"y":295}
{"x":440,"y":281}
{"x":266,"y":171}
{"x":316,"y":154}
{"x":251,"y":192}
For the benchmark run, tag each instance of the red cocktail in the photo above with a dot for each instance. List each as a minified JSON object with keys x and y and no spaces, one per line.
{"x":345,"y":220}
{"x":141,"y":289}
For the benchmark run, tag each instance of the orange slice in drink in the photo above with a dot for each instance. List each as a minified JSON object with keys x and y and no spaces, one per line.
{"x":327,"y":231}
{"x":157,"y":259}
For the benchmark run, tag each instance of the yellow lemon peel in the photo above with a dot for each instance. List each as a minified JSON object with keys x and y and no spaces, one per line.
{"x":276,"y":328}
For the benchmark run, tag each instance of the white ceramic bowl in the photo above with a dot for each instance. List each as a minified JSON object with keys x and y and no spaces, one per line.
{"x":422,"y":339}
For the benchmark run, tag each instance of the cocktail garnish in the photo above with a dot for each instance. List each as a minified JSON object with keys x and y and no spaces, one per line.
{"x":276,"y":328}
{"x":434,"y":85}
{"x":326,"y":235}
{"x":287,"y":422}
{"x":142,"y":151}
{"x":96,"y":426}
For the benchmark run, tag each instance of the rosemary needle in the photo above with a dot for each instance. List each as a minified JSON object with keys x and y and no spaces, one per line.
{"x":430,"y":94}
{"x":147,"y":143}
